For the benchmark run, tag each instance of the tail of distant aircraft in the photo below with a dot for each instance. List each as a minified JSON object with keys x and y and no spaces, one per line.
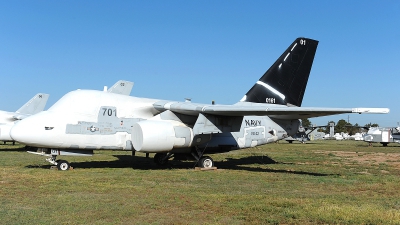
{"x":285,"y":81}
{"x":35,"y":105}
{"x":121,"y":87}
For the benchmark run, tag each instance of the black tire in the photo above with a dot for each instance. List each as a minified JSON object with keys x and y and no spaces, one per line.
{"x":206,"y":162}
{"x":159,"y":159}
{"x":63,"y":165}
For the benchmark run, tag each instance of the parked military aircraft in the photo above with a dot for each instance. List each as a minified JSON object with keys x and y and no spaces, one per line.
{"x":86,"y":120}
{"x":7,"y":119}
{"x":383,"y":135}
{"x":122,"y":87}
{"x":305,"y":134}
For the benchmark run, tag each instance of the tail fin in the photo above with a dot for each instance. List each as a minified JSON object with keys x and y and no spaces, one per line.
{"x":286,"y":80}
{"x":121,"y":87}
{"x":35,"y":105}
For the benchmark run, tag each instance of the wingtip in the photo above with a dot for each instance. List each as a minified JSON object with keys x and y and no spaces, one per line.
{"x":371,"y":110}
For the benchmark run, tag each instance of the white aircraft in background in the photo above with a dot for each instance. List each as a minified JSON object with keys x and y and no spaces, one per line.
{"x":86,"y":120}
{"x":357,"y":137}
{"x":338,"y":137}
{"x":7,"y":119}
{"x":383,"y":135}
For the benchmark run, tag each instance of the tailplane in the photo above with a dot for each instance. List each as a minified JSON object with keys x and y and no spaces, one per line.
{"x":285,"y":81}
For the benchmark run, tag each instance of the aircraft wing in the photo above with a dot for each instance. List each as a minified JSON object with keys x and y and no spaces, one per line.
{"x":274,"y":111}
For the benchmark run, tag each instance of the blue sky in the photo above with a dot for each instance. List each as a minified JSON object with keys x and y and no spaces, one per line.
{"x":204,"y":50}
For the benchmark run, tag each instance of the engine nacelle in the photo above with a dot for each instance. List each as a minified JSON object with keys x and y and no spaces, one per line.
{"x":160,"y":136}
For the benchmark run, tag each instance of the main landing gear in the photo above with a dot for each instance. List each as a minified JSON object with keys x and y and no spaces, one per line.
{"x":202,"y":161}
{"x":206,"y":162}
{"x":161,"y":159}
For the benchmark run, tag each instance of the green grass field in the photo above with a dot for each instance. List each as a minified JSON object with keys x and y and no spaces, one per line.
{"x":321,"y":182}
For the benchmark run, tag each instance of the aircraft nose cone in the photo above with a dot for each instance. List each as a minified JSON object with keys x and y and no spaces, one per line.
{"x":38,"y":130}
{"x":20,"y":133}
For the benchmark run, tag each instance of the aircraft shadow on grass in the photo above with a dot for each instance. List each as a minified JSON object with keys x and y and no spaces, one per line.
{"x":142,"y":163}
{"x":21,"y":149}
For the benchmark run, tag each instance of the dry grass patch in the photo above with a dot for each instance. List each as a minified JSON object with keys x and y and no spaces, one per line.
{"x":370,"y":158}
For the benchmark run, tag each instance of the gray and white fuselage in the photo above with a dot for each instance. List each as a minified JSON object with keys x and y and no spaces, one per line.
{"x":90,"y":120}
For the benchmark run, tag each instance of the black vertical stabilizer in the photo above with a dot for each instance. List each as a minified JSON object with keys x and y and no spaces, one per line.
{"x":286,"y":80}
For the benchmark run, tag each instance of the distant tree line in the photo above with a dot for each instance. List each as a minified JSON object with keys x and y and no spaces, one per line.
{"x":341,"y":126}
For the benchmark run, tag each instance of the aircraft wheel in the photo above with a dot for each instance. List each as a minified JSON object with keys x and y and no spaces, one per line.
{"x":159,"y":159}
{"x":206,"y":162}
{"x":63,"y":165}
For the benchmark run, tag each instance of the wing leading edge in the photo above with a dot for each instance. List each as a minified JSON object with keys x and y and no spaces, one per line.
{"x":274,"y":111}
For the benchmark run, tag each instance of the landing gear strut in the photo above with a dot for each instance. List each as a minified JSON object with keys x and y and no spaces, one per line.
{"x":202,"y":161}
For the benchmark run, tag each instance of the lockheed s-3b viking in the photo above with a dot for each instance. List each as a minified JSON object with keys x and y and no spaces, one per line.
{"x":86,"y":120}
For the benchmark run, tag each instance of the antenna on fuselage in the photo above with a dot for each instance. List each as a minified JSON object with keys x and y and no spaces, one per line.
{"x":105,"y":89}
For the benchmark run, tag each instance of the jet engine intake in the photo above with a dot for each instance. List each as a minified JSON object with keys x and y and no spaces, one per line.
{"x":160,"y":136}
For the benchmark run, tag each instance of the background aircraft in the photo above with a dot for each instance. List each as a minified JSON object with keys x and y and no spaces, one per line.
{"x":7,"y":119}
{"x":383,"y":135}
{"x":305,"y":134}
{"x":85,"y":120}
{"x":122,"y":87}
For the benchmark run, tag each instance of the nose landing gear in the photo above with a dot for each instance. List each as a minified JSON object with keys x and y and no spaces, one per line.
{"x":61,"y":164}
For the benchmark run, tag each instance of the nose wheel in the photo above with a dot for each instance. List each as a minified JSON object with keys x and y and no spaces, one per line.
{"x":63,"y":165}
